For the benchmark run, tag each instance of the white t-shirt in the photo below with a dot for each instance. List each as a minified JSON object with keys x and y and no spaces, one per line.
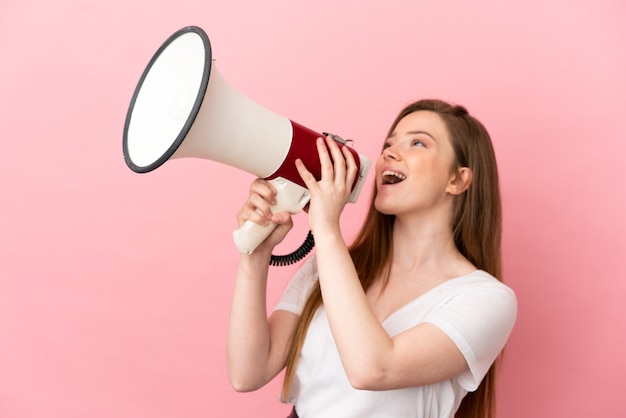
{"x":475,"y":310}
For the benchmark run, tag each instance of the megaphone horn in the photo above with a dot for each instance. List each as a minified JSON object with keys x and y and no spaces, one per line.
{"x":182,"y":107}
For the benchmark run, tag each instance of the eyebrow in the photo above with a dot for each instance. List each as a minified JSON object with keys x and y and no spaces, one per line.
{"x":416,"y":133}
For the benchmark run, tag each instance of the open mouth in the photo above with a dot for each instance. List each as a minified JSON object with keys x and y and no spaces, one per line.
{"x":392,"y":177}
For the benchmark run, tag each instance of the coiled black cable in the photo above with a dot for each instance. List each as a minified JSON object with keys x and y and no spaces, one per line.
{"x":297,"y":255}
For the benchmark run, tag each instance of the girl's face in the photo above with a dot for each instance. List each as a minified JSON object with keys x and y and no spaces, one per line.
{"x":415,"y":172}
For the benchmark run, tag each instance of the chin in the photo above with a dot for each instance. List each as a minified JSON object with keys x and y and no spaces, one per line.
{"x":383,"y":208}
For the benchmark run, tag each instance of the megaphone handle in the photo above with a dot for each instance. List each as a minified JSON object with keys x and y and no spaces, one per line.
{"x":290,"y":197}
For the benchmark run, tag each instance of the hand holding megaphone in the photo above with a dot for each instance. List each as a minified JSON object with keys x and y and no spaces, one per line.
{"x":290,"y":197}
{"x":182,"y":107}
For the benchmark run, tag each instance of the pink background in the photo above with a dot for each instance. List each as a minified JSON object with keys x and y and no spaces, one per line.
{"x":115,"y":287}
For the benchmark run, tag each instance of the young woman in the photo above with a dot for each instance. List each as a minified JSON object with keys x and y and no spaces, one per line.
{"x":409,"y":320}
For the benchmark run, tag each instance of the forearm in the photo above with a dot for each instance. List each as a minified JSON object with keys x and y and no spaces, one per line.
{"x":362,"y":342}
{"x":248,"y":343}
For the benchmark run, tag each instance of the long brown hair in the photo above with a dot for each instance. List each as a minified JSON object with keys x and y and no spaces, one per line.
{"x":476,"y":225}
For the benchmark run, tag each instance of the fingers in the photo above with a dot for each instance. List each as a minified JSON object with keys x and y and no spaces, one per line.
{"x":264,"y":189}
{"x":352,"y":168}
{"x":337,"y":165}
{"x":307,"y":177}
{"x":325,"y":148}
{"x":281,"y":218}
{"x":339,"y":162}
{"x":258,"y":207}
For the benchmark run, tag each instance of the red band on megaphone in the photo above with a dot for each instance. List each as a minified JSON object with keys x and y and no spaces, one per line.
{"x":303,"y":147}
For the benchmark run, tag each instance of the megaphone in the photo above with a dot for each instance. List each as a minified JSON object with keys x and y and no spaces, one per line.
{"x":183,"y":107}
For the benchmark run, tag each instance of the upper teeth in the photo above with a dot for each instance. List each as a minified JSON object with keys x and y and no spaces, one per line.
{"x":395,"y":174}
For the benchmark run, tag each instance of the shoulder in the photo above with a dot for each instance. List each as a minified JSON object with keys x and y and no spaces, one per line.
{"x":478,"y":313}
{"x":479,"y":284}
{"x":478,"y":302}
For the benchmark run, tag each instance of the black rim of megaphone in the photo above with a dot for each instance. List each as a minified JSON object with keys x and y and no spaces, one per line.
{"x":194,"y":111}
{"x":276,"y":260}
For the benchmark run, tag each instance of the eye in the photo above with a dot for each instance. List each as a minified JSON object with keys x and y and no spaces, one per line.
{"x":417,"y":143}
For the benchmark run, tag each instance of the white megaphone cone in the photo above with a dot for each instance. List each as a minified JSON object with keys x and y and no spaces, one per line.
{"x":182,"y":107}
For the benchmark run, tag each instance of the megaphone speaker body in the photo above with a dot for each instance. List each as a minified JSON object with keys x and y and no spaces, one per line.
{"x":182,"y":107}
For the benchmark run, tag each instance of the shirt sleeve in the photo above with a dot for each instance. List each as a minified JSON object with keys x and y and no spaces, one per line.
{"x":299,"y":287}
{"x":479,"y":319}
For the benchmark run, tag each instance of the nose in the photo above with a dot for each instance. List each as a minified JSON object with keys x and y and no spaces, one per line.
{"x":390,"y":154}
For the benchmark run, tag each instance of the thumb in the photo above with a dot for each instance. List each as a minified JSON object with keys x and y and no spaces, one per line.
{"x":280,"y":218}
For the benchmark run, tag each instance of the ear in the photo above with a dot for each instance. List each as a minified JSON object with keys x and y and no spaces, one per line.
{"x":460,"y":181}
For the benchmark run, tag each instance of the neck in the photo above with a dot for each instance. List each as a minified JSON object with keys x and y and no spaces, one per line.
{"x":427,"y":245}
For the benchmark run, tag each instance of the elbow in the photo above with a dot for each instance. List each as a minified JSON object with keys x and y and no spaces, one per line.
{"x":241,"y":377}
{"x":366,"y":379}
{"x":246,"y":375}
{"x":242,"y":388}
{"x":243,"y":380}
{"x":244,"y":384}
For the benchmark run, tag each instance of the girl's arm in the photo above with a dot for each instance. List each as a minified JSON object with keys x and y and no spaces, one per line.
{"x":257,"y":345}
{"x":371,"y":359}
